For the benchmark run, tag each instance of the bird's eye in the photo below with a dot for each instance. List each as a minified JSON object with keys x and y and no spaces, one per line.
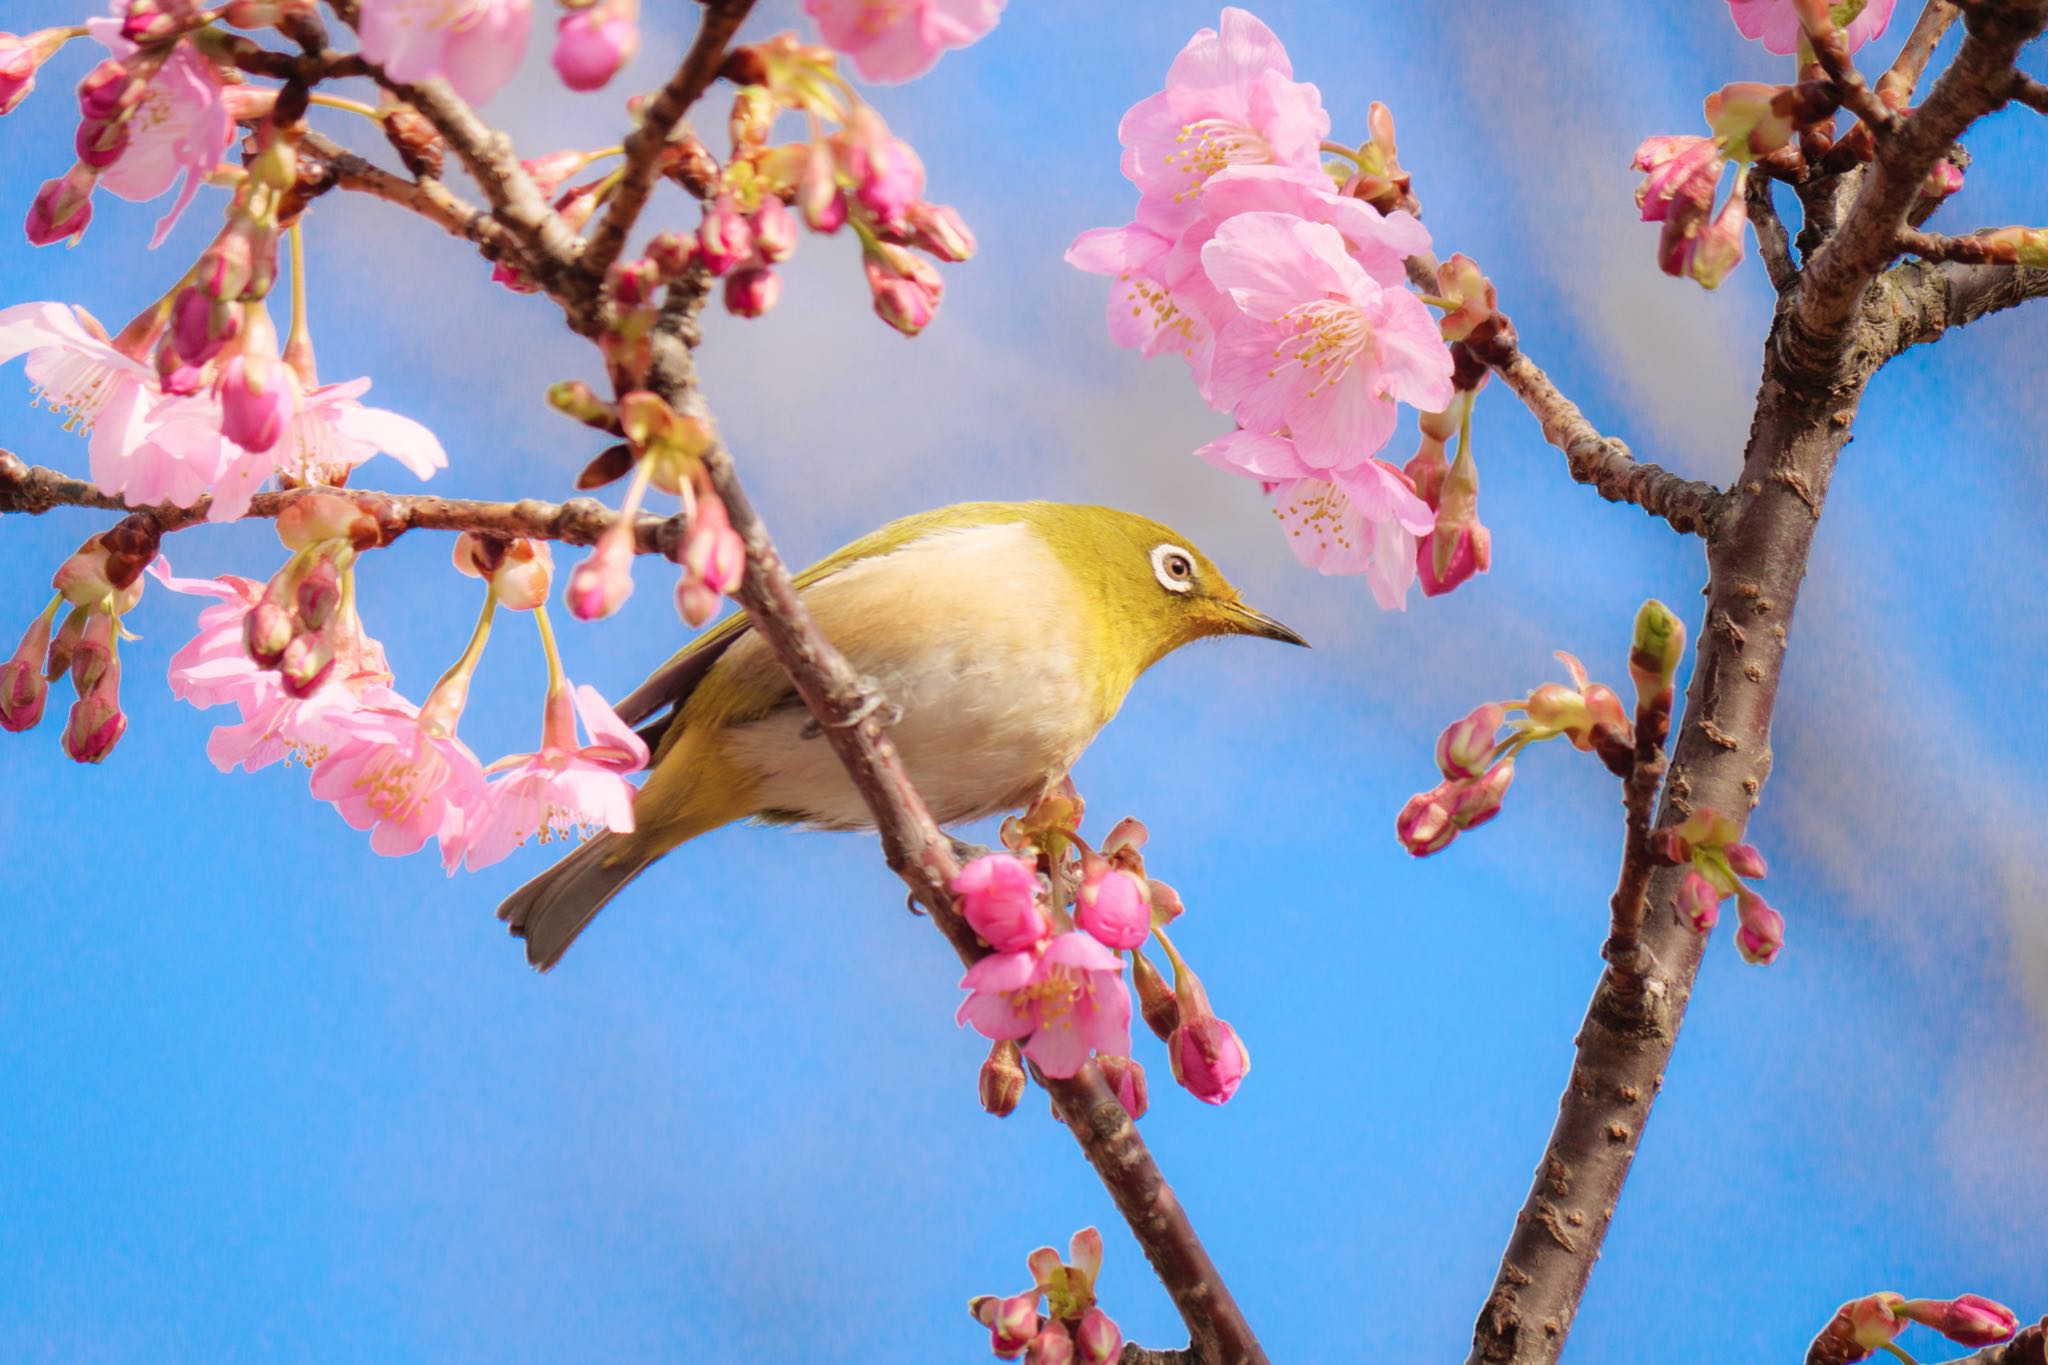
{"x":1173,"y":567}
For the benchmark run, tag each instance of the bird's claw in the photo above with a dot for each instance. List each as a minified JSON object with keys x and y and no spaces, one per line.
{"x":873,"y":703}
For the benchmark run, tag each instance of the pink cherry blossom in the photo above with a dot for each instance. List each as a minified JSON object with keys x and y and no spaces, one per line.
{"x":331,"y":433}
{"x":1163,"y":299}
{"x":475,"y":45}
{"x":72,"y":365}
{"x":1209,"y":1059}
{"x":1320,"y":349}
{"x":1062,"y":1000}
{"x":1365,"y":519}
{"x":214,"y":669}
{"x":390,"y":774}
{"x":1776,"y":22}
{"x":895,"y":40}
{"x":565,"y":788}
{"x":182,"y":128}
{"x":1229,"y":100}
{"x":999,"y":897}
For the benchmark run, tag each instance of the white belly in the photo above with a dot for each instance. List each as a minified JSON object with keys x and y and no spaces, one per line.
{"x":981,"y":659}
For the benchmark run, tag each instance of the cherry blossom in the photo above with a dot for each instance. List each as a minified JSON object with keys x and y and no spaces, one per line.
{"x":332,"y":432}
{"x":1776,"y":23}
{"x":895,"y":40}
{"x":1229,"y":100}
{"x":181,"y":128}
{"x":1320,"y":349}
{"x":475,"y":45}
{"x":397,"y":775}
{"x":999,"y":898}
{"x":1062,"y":1000}
{"x":565,"y":788}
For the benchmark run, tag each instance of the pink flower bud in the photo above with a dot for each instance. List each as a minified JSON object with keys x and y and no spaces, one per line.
{"x":202,"y":326}
{"x":1944,"y":180}
{"x":1098,"y":1340}
{"x":94,"y":653}
{"x":1002,"y":1079}
{"x":1858,"y":1327}
{"x":1424,"y":825}
{"x":1127,"y":1079}
{"x":592,"y":44}
{"x":64,"y":644}
{"x":151,"y":21}
{"x":1012,"y":1323}
{"x":1683,"y":173}
{"x":726,"y":238}
{"x":601,"y":584}
{"x":1053,"y":1345}
{"x":941,"y":231}
{"x":1763,"y":929}
{"x":818,"y":196}
{"x":906,"y":288}
{"x":20,"y":59}
{"x":1669,"y":847}
{"x":774,"y":230}
{"x":1699,"y":903}
{"x":999,"y":898}
{"x":1113,"y":905}
{"x":318,"y":594}
{"x":1209,"y":1060}
{"x":306,"y":663}
{"x":524,"y":575}
{"x":62,"y":207}
{"x":1718,"y":247}
{"x":550,"y":172}
{"x":1466,"y":746}
{"x":696,"y":603}
{"x":1467,"y":549}
{"x":1971,"y":1320}
{"x":1744,"y":860}
{"x":752,"y":291}
{"x":23,"y":688}
{"x":1475,"y":802}
{"x":266,"y":631}
{"x":255,"y":392}
{"x":887,"y":176}
{"x":96,"y":724}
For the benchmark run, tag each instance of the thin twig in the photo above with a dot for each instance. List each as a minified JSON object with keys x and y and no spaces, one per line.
{"x":1603,"y":463}
{"x":34,"y":490}
{"x":1898,"y":83}
{"x":1772,"y":243}
{"x":649,"y":138}
{"x":1625,"y":952}
{"x":1856,"y":96}
{"x":428,"y":198}
{"x":1976,"y":249}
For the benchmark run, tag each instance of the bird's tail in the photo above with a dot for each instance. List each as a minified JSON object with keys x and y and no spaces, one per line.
{"x":552,"y":909}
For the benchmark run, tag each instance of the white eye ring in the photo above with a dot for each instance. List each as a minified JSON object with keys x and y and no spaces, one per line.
{"x":1173,"y":567}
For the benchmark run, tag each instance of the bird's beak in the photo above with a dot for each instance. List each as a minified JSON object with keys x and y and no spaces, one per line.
{"x":1248,"y":620}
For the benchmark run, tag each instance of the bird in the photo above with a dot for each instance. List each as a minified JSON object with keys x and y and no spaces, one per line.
{"x":1004,"y":636}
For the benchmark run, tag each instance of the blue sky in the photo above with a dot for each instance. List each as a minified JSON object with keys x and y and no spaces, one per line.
{"x":271,"y":1097}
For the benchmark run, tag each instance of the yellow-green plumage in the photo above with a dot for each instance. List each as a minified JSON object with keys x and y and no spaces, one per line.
{"x":1006,"y":633}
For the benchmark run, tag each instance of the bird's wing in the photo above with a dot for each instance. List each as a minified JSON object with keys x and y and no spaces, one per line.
{"x":670,"y":685}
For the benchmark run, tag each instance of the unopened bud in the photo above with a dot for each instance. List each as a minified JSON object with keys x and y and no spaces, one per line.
{"x":1971,"y":1320}
{"x":266,"y":631}
{"x":940,"y":230}
{"x":1763,"y":929}
{"x":64,"y":644}
{"x":1424,"y":824}
{"x":1658,"y":646}
{"x":1053,"y":1345}
{"x":1126,"y":1079}
{"x":751,"y":292}
{"x":1466,"y":746}
{"x":94,"y":654}
{"x":23,"y":688}
{"x":1156,"y":999}
{"x":96,"y":723}
{"x":1699,"y":902}
{"x":305,"y":664}
{"x":317,"y":517}
{"x":319,"y":594}
{"x":1098,"y":1341}
{"x":1744,"y":860}
{"x":673,"y":253}
{"x":1002,"y":1080}
{"x":1478,"y":800}
{"x":725,"y":238}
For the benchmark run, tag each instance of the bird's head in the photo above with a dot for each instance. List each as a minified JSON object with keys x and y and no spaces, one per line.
{"x":1150,"y":590}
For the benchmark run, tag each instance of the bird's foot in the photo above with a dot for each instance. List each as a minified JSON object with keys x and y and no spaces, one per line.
{"x":873,"y":704}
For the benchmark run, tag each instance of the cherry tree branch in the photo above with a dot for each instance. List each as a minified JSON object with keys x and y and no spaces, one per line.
{"x":1603,"y":463}
{"x":1625,"y":952}
{"x":2030,"y":1347}
{"x":2030,"y":92}
{"x":34,"y":490}
{"x":1773,"y":243}
{"x":1834,"y":281}
{"x":1928,"y":30}
{"x":427,"y":197}
{"x":1824,"y":347}
{"x":649,"y":138}
{"x":849,"y":710}
{"x":1922,"y":301}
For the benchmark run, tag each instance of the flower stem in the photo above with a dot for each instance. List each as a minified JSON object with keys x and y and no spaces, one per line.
{"x":352,"y":106}
{"x":1900,"y":1352}
{"x":1339,"y":149}
{"x":444,"y":704}
{"x":556,"y":682}
{"x":298,"y":341}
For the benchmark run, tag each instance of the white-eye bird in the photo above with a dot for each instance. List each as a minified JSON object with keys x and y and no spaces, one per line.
{"x":1004,"y":635}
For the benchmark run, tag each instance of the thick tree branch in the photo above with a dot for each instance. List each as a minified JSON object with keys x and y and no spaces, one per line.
{"x":1832,"y":286}
{"x":649,"y":138}
{"x":1599,"y":461}
{"x":1921,"y":301}
{"x":2030,"y":1347}
{"x":2030,"y":92}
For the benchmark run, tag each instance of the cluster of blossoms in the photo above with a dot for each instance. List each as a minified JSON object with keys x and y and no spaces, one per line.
{"x":1052,"y":987}
{"x":1862,"y":1327}
{"x":1071,"y":1330}
{"x":1282,"y":284}
{"x":1753,"y":122}
{"x":1709,"y":845}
